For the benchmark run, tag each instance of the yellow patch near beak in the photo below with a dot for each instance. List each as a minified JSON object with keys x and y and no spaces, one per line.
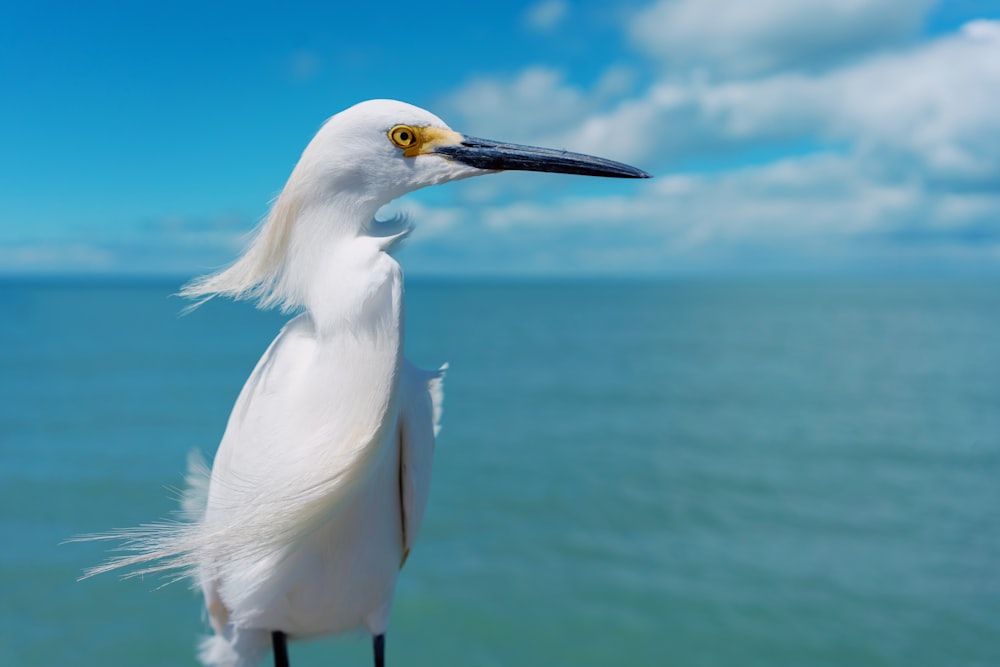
{"x":429,"y":138}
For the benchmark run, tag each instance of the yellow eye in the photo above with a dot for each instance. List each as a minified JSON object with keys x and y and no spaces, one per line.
{"x":403,"y":136}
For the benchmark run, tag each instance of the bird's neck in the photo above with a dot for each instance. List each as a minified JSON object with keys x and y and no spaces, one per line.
{"x":344,"y":277}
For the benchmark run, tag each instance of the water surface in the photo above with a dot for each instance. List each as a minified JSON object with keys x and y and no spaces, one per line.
{"x":689,"y":473}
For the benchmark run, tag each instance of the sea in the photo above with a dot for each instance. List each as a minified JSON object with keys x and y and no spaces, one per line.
{"x":705,"y":471}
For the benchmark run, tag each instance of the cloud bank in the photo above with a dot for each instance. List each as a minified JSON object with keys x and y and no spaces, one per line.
{"x":783,"y":135}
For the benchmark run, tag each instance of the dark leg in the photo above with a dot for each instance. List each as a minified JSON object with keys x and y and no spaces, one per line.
{"x":280,"y":643}
{"x":378,"y":644}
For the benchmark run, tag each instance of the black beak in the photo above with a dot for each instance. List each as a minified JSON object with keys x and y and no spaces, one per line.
{"x":495,"y":156}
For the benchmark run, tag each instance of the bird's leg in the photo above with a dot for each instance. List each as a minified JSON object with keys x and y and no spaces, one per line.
{"x":378,"y":645}
{"x":280,"y":644}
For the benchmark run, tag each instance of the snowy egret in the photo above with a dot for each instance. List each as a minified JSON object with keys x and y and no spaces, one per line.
{"x":320,"y":482}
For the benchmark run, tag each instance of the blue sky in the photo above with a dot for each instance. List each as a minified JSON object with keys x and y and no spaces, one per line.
{"x":784,"y":134}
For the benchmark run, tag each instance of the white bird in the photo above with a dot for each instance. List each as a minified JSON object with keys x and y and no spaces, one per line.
{"x":319,"y":485}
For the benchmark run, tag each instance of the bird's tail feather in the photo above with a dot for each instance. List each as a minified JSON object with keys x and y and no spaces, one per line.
{"x":243,"y":648}
{"x":165,"y":545}
{"x":194,"y":498}
{"x":216,"y":651}
{"x":268,"y":528}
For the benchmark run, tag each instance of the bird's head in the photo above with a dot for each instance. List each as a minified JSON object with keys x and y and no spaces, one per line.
{"x":382,"y":149}
{"x":361,"y":159}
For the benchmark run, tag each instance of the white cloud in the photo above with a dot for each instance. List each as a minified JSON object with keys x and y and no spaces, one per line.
{"x":536,"y":102}
{"x":546,"y":15}
{"x":55,"y":257}
{"x":736,"y":37}
{"x":926,"y":112}
{"x":164,"y":245}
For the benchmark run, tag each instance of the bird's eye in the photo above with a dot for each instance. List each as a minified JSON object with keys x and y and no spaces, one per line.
{"x":403,"y":136}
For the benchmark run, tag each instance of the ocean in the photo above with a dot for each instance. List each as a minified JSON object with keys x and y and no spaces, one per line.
{"x":769,"y":472}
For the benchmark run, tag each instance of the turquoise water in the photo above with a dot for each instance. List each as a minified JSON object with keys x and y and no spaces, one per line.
{"x":689,"y":473}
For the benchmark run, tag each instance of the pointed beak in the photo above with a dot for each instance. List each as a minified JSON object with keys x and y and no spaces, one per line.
{"x":496,"y":156}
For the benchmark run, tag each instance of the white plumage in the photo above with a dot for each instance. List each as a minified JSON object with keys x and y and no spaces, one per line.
{"x":319,"y":485}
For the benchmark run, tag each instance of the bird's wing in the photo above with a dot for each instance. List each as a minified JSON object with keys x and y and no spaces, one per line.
{"x":299,"y":440}
{"x":420,"y":415}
